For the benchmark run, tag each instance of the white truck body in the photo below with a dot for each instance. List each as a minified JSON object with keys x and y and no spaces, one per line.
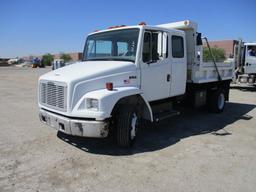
{"x":245,"y":63}
{"x":165,"y":63}
{"x":250,"y":61}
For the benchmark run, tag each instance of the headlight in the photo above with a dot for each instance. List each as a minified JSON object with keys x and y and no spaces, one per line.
{"x":92,"y":104}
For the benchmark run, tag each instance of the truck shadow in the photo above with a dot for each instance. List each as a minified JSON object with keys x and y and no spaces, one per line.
{"x":168,"y":132}
{"x":244,"y":88}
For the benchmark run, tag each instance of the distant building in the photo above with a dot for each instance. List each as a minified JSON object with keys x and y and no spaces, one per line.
{"x":75,"y":56}
{"x":227,"y":45}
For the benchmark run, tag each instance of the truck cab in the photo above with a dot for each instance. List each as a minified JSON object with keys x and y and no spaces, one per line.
{"x":129,"y":73}
{"x":250,"y":58}
{"x":245,"y":63}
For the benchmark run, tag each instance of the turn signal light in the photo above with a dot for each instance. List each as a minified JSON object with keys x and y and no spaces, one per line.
{"x":109,"y":86}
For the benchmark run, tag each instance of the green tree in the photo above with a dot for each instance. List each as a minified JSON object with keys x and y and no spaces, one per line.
{"x":47,"y":59}
{"x":218,"y":53}
{"x":65,"y":57}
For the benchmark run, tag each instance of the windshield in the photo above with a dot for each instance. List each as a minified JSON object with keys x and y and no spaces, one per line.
{"x":112,"y":45}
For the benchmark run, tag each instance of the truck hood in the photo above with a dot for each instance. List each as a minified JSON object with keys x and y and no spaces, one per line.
{"x":88,"y":70}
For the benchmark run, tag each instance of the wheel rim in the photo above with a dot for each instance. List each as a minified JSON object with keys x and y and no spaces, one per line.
{"x":133,"y":126}
{"x":221,"y":101}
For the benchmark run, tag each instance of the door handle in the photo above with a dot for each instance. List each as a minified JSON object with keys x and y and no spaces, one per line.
{"x":168,"y":77}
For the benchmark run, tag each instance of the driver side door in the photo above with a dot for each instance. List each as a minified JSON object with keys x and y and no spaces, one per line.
{"x":155,"y":66}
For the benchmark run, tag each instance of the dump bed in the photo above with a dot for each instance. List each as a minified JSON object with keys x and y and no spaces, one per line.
{"x":199,"y":71}
{"x":206,"y":72}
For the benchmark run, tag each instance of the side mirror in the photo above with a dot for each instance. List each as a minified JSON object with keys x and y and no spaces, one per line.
{"x":199,"y":39}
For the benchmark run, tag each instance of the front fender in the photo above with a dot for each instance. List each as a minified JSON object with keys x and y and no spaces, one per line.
{"x":107,"y":100}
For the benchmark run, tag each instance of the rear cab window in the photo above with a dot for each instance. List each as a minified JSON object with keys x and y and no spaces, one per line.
{"x":177,"y":46}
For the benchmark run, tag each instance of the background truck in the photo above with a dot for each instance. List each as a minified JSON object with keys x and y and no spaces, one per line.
{"x":58,"y":63}
{"x":245,"y":63}
{"x":129,"y":74}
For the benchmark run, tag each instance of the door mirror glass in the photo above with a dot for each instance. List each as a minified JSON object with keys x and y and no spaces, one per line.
{"x":162,"y":45}
{"x":155,"y":47}
{"x":146,"y":48}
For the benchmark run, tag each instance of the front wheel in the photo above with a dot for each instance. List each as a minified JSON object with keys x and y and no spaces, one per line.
{"x":127,"y":126}
{"x":217,"y":101}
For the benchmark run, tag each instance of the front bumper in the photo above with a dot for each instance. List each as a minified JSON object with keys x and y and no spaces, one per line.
{"x":84,"y":128}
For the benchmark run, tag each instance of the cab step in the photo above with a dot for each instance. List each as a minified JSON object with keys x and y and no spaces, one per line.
{"x":165,"y":115}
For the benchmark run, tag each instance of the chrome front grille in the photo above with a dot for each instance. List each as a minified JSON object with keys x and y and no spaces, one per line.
{"x":53,"y":95}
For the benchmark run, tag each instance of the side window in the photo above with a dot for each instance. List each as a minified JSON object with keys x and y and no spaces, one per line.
{"x":177,"y":47}
{"x":155,"y":46}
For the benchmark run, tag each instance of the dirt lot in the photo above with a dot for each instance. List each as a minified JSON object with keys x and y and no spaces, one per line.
{"x":195,"y":151}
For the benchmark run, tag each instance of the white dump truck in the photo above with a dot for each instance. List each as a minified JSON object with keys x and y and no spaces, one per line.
{"x":245,"y":63}
{"x":129,"y":74}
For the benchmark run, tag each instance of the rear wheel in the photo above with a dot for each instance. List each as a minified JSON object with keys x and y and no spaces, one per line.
{"x":217,"y":101}
{"x":127,"y":125}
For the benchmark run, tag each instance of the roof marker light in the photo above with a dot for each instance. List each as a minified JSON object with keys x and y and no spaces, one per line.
{"x":142,"y":23}
{"x":117,"y":26}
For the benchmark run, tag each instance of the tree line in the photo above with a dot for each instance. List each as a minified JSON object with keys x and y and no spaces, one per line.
{"x":218,"y":53}
{"x":48,"y":58}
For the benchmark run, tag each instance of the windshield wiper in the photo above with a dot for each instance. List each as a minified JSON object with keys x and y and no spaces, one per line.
{"x":109,"y":59}
{"x":123,"y":59}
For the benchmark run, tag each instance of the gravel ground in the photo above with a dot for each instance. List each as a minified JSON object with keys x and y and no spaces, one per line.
{"x":195,"y":151}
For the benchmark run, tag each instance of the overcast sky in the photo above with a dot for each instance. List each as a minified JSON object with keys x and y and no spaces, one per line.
{"x":31,"y":27}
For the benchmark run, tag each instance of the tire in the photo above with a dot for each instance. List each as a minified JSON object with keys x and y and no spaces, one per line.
{"x":127,"y":126}
{"x":217,"y":101}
